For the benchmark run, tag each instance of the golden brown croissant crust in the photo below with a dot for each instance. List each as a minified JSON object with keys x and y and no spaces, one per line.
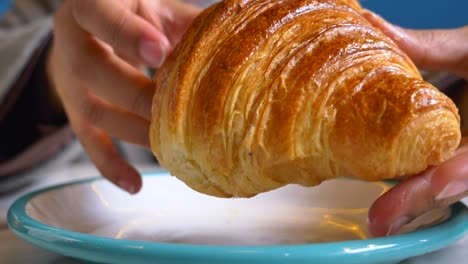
{"x":263,"y":93}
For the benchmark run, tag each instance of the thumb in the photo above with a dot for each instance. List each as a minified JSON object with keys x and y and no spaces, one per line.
{"x":433,"y":50}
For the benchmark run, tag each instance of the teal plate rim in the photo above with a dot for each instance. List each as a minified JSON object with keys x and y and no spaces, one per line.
{"x":108,"y":250}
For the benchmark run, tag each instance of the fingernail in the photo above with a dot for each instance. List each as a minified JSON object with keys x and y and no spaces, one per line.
{"x":397,"y":225}
{"x":452,"y":189}
{"x":154,"y":53}
{"x":127,"y":186}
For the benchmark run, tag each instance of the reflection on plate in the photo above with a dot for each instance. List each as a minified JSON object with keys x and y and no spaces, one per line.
{"x":169,"y":223}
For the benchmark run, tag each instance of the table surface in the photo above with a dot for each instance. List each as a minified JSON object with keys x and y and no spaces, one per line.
{"x":15,"y":251}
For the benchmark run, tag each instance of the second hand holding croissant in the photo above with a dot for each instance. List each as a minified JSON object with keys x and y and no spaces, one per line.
{"x":439,"y":50}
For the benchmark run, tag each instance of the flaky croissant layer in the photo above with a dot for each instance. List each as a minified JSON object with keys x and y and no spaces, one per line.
{"x":263,"y":93}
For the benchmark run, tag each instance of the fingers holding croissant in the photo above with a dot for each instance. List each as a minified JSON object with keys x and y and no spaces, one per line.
{"x":436,"y":187}
{"x":95,"y":65}
{"x":441,"y":185}
{"x":263,"y":93}
{"x":437,"y":50}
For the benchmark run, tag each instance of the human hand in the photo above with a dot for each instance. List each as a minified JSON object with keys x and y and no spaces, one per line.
{"x":99,"y":49}
{"x":442,"y":185}
{"x":432,"y":50}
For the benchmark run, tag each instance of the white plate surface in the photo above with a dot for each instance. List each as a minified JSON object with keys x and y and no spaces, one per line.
{"x":166,"y":210}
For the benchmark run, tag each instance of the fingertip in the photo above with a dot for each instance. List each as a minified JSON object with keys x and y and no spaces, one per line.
{"x":373,"y":224}
{"x":451,"y":177}
{"x":154,"y":52}
{"x":398,"y":206}
{"x":124,"y":176}
{"x":368,"y":14}
{"x":380,"y":215}
{"x":102,"y":152}
{"x":372,"y":17}
{"x":130,"y":181}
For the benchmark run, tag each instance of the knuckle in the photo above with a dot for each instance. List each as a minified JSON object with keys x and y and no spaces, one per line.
{"x":423,"y":48}
{"x":117,"y":28}
{"x":91,"y":111}
{"x":80,"y":130}
{"x":429,"y":43}
{"x":82,"y":64}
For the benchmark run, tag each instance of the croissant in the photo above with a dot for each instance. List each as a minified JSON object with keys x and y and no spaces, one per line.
{"x":263,"y":93}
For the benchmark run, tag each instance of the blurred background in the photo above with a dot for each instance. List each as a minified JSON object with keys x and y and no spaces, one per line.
{"x":421,"y":14}
{"x":418,"y":14}
{"x":4,"y":5}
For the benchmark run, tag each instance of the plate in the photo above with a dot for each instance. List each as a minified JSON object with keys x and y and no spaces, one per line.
{"x":167,"y":222}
